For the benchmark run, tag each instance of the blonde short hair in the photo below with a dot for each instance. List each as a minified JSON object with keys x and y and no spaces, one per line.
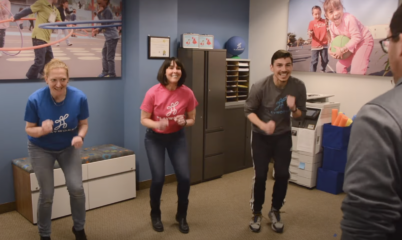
{"x":55,"y":63}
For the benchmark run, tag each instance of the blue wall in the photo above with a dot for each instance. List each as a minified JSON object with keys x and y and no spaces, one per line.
{"x":114,"y":104}
{"x":221,"y":18}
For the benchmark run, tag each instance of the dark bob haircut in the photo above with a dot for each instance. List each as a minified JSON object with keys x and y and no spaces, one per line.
{"x":162,"y":71}
{"x":281,"y":54}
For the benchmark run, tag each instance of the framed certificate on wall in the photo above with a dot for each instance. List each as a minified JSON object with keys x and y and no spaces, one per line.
{"x":158,"y":47}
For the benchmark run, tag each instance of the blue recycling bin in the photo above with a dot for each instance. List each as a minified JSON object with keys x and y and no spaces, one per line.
{"x":330,"y":181}
{"x":335,"y":137}
{"x":334,"y":159}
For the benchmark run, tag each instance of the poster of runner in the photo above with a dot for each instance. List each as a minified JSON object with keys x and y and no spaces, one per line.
{"x":31,"y":35}
{"x":340,"y":36}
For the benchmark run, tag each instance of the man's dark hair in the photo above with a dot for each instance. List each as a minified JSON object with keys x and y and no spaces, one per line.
{"x":281,"y":54}
{"x":396,"y":24}
{"x":162,"y":71}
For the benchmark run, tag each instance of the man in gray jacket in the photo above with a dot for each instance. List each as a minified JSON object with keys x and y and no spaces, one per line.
{"x":373,"y":178}
{"x":269,"y":105}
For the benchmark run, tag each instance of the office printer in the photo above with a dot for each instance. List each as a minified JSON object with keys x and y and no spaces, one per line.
{"x":306,"y":139}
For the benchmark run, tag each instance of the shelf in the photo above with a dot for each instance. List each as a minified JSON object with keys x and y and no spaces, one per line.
{"x":237,"y":80}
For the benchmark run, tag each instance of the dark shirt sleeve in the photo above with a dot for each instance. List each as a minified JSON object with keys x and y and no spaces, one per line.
{"x":301,"y":100}
{"x":253,"y":101}
{"x":372,"y":177}
{"x":25,"y":12}
{"x":106,"y":15}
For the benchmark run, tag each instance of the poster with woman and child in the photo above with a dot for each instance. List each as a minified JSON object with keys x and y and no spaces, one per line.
{"x":340,"y":36}
{"x":93,"y":52}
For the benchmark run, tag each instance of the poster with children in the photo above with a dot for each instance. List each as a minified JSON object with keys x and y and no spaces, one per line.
{"x":340,"y":36}
{"x":92,"y":50}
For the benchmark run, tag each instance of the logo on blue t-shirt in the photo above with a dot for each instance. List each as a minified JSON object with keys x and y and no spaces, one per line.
{"x":62,"y":121}
{"x":281,"y":108}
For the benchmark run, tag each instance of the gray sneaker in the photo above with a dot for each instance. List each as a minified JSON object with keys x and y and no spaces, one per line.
{"x":255,"y":223}
{"x":275,"y":218}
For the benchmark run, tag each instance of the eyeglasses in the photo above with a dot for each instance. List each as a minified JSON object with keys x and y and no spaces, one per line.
{"x":385,"y":43}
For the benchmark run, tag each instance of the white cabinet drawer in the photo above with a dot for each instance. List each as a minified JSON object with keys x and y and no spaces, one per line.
{"x":306,"y":158}
{"x":59,"y":179}
{"x":111,"y":167}
{"x":307,"y":182}
{"x":104,"y":191}
{"x":295,"y":164}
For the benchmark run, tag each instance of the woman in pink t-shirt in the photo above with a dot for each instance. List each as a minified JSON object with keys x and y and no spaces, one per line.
{"x":361,"y":41}
{"x":167,"y":109}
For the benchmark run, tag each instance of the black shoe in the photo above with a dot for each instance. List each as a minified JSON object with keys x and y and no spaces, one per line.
{"x":183,"y":225}
{"x":80,"y":235}
{"x":45,"y":238}
{"x":157,"y":224}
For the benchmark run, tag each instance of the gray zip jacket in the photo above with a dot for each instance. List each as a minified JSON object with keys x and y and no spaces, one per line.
{"x":373,"y":178}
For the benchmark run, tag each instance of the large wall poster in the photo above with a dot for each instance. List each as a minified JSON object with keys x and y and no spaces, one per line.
{"x":354,"y":28}
{"x":82,"y":52}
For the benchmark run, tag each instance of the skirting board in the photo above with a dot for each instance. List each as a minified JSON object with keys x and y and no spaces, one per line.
{"x":8,"y":207}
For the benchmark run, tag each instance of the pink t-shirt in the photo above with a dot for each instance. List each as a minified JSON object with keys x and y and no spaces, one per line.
{"x":319,"y":29}
{"x":353,"y":29}
{"x":163,"y":103}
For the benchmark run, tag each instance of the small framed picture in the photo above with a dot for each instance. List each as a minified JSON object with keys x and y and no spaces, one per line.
{"x":158,"y":47}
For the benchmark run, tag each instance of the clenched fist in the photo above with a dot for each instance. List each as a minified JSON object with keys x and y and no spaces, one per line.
{"x":269,"y":127}
{"x":162,"y":124}
{"x":77,"y":142}
{"x":180,"y":120}
{"x":291,"y":101}
{"x":47,"y":127}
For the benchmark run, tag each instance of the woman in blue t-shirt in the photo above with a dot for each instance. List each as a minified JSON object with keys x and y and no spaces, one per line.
{"x":56,"y":123}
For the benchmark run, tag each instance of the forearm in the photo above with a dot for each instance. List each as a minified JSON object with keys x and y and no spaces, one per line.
{"x":82,"y":130}
{"x":190,"y":122}
{"x":149,"y":123}
{"x":35,"y":132}
{"x":25,"y":12}
{"x":255,"y":120}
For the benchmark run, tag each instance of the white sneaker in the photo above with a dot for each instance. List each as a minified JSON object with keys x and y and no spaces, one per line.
{"x":255,"y":223}
{"x":275,"y":217}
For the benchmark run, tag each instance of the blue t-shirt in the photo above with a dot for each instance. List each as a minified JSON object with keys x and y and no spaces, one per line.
{"x":65,"y":116}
